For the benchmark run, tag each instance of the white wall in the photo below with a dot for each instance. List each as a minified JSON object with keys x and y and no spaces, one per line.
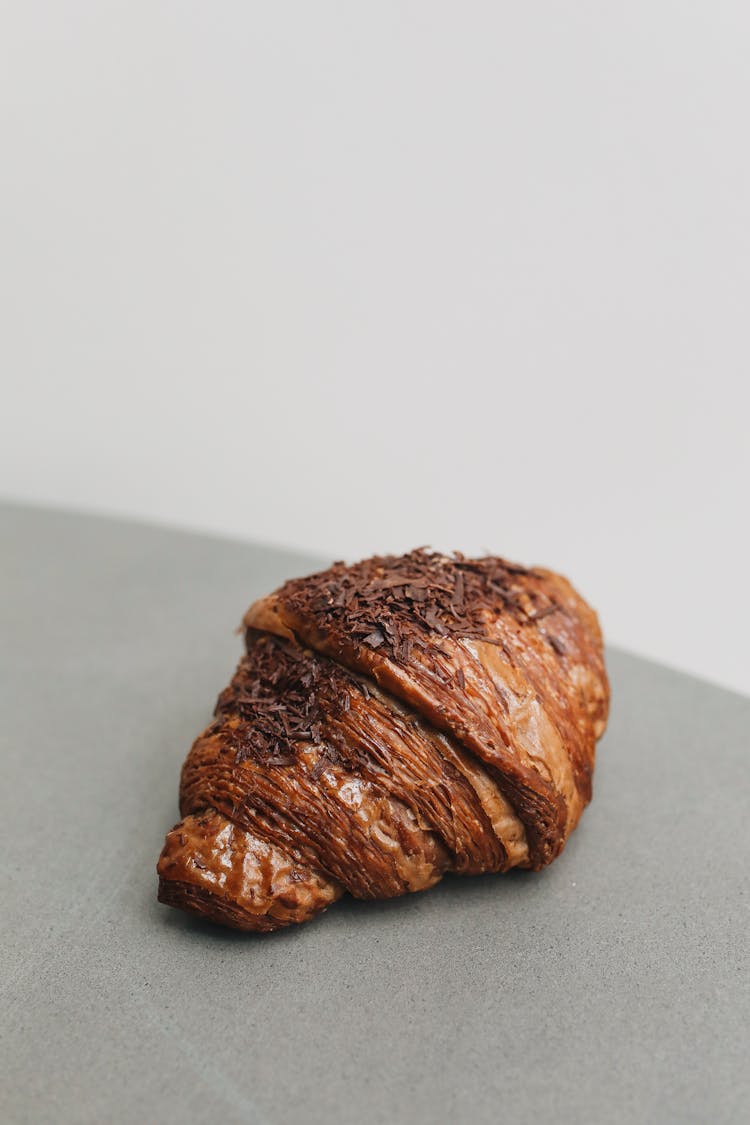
{"x":360,"y":276}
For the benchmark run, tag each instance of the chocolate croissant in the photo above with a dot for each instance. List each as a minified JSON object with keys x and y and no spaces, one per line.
{"x":390,"y":721}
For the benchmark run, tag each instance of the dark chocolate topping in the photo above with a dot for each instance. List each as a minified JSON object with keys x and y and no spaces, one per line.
{"x":395,"y":603}
{"x":281,"y":694}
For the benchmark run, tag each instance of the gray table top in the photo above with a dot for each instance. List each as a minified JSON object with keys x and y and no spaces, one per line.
{"x":611,"y":987}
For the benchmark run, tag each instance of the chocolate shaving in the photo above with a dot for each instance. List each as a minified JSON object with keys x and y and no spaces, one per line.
{"x":396,"y":603}
{"x":540,"y":613}
{"x":281,"y":696}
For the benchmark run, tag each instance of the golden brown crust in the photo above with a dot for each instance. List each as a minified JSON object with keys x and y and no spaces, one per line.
{"x":393,"y":720}
{"x":212,"y":867}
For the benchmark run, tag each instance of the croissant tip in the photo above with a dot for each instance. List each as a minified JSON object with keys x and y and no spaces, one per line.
{"x":202,"y":903}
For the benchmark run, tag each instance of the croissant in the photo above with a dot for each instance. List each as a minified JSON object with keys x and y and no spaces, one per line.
{"x":389,"y":722}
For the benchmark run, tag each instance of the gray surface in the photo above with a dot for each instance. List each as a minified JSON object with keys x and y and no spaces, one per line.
{"x":612,"y":987}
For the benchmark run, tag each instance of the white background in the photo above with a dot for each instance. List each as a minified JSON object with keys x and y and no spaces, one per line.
{"x":361,"y":276}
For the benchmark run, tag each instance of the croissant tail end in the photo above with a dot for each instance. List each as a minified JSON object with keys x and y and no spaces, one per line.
{"x":201,"y":902}
{"x":210,"y":866}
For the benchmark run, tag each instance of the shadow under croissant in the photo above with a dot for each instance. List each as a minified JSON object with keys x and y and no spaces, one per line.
{"x":453,"y":892}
